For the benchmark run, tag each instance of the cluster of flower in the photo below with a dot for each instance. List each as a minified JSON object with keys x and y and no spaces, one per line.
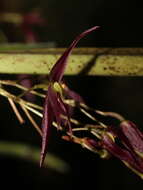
{"x":124,"y":141}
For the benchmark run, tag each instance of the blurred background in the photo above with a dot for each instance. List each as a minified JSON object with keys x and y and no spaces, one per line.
{"x":56,"y":23}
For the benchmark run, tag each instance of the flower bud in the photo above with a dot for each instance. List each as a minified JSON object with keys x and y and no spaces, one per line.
{"x":133,"y":135}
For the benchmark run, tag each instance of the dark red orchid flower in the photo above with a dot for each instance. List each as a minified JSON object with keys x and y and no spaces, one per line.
{"x":28,"y":22}
{"x":133,"y":135}
{"x":131,"y":149}
{"x":54,"y":106}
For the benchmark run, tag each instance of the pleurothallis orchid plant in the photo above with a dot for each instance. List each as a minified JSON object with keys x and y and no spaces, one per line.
{"x":56,"y":108}
{"x":123,"y":140}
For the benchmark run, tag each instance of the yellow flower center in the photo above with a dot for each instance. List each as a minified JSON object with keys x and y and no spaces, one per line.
{"x":58,"y":88}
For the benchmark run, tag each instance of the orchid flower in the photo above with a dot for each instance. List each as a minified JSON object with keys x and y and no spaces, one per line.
{"x":54,"y":106}
{"x":134,"y":136}
{"x":131,"y":151}
{"x":28,"y":21}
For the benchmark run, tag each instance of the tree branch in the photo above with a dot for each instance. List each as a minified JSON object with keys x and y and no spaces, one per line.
{"x":36,"y":59}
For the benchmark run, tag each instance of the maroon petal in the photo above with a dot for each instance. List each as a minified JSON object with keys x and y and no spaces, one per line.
{"x":133,"y":135}
{"x":53,"y":109}
{"x":68,"y":113}
{"x":123,"y":154}
{"x":59,"y":68}
{"x":57,"y":105}
{"x":92,"y":143}
{"x":118,"y":133}
{"x":33,"y":18}
{"x":29,"y":20}
{"x":46,"y":125}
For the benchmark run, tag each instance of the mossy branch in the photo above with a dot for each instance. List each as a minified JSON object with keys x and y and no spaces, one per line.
{"x":36,"y":59}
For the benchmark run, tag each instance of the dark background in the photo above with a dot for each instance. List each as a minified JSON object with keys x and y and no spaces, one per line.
{"x":121,"y":26}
